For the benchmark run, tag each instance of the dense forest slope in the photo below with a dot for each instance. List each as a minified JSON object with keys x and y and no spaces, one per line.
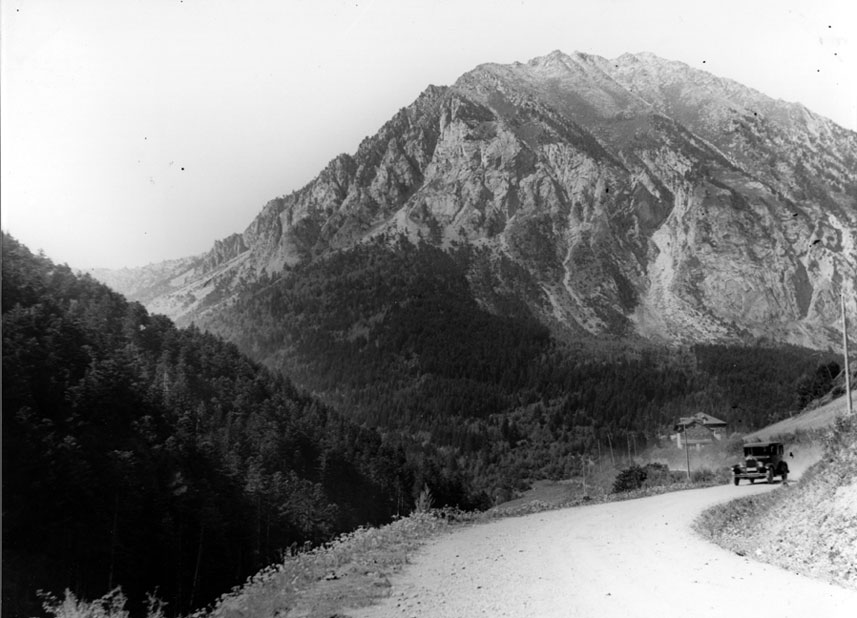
{"x":390,"y":332}
{"x":142,"y":455}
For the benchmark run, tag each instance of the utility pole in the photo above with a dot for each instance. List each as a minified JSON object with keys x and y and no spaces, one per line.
{"x":687,"y":451}
{"x":845,"y":352}
{"x":610,"y":442}
{"x":583,"y":465}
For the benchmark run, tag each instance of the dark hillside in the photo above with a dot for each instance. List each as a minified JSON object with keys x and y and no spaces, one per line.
{"x":141,"y":455}
{"x":385,"y":329}
{"x":390,"y":332}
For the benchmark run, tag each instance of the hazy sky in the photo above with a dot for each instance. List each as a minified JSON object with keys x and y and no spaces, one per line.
{"x":140,"y":130}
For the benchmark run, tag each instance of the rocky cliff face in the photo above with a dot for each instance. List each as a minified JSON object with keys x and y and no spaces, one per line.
{"x":636,"y":196}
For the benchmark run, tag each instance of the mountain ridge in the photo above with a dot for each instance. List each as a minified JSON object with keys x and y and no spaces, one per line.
{"x":641,"y":197}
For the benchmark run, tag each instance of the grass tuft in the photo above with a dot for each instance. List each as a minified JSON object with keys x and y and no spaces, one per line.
{"x":111,"y":605}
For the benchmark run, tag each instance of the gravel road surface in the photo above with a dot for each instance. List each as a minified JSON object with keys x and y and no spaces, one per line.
{"x":629,"y":559}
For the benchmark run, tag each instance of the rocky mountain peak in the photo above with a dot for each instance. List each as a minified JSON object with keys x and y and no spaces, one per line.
{"x":636,"y":197}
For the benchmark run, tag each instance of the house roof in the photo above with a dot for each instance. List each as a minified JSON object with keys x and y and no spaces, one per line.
{"x":700,"y":418}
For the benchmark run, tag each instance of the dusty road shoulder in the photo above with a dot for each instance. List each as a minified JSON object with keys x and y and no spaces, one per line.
{"x":635,"y":558}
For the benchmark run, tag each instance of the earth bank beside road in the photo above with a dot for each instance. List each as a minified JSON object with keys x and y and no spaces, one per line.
{"x":632,"y":558}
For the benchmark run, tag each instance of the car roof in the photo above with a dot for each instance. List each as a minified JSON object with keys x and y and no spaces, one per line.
{"x":760,"y":444}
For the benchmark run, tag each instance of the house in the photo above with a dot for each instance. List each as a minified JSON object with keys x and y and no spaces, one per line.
{"x":699,"y":429}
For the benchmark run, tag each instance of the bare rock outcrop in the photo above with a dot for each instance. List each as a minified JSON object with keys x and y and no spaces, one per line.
{"x":640,"y":197}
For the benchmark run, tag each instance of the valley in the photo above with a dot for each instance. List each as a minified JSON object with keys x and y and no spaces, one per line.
{"x":528,"y":276}
{"x":548,"y":260}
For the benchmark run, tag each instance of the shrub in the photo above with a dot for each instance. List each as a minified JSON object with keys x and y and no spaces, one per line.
{"x":425,"y":501}
{"x":629,"y":479}
{"x":703,"y":475}
{"x":657,"y":475}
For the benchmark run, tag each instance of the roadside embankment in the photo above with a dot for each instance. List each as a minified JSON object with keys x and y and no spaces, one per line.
{"x":809,"y":527}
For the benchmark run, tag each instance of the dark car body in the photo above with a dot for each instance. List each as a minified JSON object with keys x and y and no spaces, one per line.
{"x":762,"y":460}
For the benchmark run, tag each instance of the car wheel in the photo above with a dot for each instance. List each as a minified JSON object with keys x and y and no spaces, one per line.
{"x":736,"y":480}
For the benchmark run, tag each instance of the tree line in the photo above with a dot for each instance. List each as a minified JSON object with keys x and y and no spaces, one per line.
{"x":143,"y":455}
{"x":391,"y":332}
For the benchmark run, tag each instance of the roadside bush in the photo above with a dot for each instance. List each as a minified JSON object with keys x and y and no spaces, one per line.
{"x":629,"y":479}
{"x":703,"y":475}
{"x":657,"y":475}
{"x":654,"y":475}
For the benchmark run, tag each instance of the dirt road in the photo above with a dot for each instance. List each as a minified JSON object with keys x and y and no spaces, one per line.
{"x":628,"y":559}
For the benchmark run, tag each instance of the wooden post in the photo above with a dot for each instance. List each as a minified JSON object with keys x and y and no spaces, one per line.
{"x":610,"y":442}
{"x":687,"y":452}
{"x":583,"y":461}
{"x":113,"y":541}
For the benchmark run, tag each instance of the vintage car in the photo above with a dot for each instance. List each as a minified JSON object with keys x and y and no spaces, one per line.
{"x":762,"y":460}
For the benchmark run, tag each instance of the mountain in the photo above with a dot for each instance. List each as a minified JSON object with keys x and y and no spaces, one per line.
{"x":540,"y":265}
{"x":634,"y":198}
{"x":550,"y":259}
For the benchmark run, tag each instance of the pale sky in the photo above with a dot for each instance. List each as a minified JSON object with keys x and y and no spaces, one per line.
{"x":135,"y":131}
